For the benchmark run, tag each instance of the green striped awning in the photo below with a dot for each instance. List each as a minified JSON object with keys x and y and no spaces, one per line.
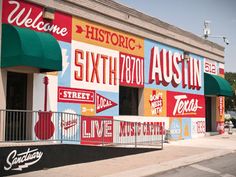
{"x":25,"y":47}
{"x":216,"y":85}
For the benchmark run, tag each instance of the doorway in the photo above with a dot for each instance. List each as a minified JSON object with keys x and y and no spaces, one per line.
{"x":16,"y":100}
{"x":208,"y":114}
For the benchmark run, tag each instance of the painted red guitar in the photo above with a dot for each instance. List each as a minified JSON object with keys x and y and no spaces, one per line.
{"x":44,"y":128}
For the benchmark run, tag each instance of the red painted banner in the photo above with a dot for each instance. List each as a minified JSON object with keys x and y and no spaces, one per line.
{"x":103,"y":103}
{"x":96,"y":130}
{"x":185,"y":105}
{"x":73,"y":95}
{"x":27,"y":15}
{"x":131,"y":70}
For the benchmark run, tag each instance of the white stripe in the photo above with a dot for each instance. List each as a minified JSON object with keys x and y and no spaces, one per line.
{"x":199,"y":167}
{"x":227,"y":175}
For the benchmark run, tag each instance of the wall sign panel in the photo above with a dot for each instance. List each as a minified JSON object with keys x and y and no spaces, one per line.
{"x":166,"y":69}
{"x":131,"y":70}
{"x":96,"y":130}
{"x":154,"y":102}
{"x":198,"y":127}
{"x":94,"y":67}
{"x":100,"y":35}
{"x":27,"y":15}
{"x":185,"y":105}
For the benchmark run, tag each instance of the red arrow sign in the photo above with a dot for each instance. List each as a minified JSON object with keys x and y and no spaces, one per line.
{"x":103,"y":103}
{"x":79,"y":29}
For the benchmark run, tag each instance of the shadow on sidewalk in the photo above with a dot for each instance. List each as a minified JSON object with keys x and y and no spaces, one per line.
{"x":21,"y":159}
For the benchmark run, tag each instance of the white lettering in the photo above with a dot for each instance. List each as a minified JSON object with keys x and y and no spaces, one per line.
{"x":20,"y":20}
{"x":22,"y":160}
{"x":183,"y":106}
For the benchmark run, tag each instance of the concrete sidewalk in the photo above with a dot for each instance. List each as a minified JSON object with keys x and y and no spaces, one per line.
{"x":175,"y":154}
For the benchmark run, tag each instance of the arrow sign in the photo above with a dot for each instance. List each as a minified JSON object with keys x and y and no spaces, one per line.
{"x":103,"y":103}
{"x":79,"y":29}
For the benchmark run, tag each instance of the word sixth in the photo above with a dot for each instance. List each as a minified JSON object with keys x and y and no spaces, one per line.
{"x":93,"y":67}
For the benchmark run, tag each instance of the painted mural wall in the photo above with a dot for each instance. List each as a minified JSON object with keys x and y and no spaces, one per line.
{"x":97,"y":59}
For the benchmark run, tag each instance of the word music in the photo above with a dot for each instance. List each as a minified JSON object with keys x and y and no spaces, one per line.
{"x":146,"y":128}
{"x":22,"y":17}
{"x":167,"y":67}
{"x":93,"y":67}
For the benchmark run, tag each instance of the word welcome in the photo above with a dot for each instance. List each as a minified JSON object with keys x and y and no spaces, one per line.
{"x":24,"y":18}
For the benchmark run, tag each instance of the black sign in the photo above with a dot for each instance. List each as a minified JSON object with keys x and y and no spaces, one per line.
{"x":21,"y":159}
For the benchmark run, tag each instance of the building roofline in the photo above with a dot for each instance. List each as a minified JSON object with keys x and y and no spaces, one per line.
{"x":156,"y":21}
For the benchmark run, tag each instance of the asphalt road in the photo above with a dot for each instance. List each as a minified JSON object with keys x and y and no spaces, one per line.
{"x":224,"y":166}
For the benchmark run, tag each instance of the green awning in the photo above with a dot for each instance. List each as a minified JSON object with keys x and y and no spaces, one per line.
{"x":216,"y":85}
{"x":25,"y":47}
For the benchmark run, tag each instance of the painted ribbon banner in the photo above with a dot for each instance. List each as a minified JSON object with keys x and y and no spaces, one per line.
{"x":104,"y":36}
{"x":131,"y":70}
{"x":185,"y":105}
{"x":96,"y":130}
{"x":73,"y":95}
{"x":103,"y":103}
{"x":27,"y":15}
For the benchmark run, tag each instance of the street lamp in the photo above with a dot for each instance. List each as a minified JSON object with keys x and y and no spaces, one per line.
{"x":207,"y":32}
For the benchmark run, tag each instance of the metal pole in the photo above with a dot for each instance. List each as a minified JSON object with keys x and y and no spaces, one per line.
{"x":103,"y":132}
{"x":61,"y":127}
{"x":162,"y":138}
{"x":135,"y":140}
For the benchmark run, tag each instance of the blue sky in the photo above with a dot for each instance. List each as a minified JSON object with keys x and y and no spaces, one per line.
{"x":189,"y":15}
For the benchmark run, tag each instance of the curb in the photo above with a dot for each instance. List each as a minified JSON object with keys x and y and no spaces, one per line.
{"x":165,"y":166}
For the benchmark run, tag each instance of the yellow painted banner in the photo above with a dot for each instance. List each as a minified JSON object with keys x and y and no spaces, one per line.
{"x":88,"y":109}
{"x":99,"y":35}
{"x":154,"y":102}
{"x":220,"y":107}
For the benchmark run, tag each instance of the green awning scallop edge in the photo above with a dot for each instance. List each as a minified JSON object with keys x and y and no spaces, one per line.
{"x":216,"y":85}
{"x":25,"y":47}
